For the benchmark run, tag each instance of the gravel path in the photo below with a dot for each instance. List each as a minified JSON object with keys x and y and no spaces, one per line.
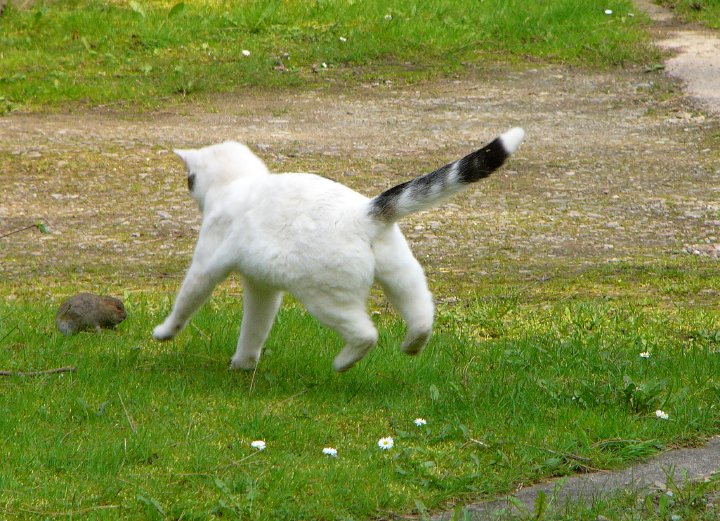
{"x":616,"y":166}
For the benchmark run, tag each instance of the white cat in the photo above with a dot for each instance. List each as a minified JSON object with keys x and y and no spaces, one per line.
{"x":315,"y":238}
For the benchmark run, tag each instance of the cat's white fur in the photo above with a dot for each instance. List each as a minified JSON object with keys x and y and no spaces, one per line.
{"x":304,"y":234}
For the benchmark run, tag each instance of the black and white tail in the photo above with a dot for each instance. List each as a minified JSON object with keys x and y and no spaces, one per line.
{"x":428,"y":190}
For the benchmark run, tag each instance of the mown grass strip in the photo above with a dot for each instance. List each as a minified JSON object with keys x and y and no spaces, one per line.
{"x":139,"y":52}
{"x":705,"y":11}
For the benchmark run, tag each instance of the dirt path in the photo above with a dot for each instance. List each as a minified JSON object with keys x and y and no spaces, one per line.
{"x":696,"y":55}
{"x":617,"y":166}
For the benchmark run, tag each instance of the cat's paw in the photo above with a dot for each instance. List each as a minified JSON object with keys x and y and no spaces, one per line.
{"x":414,"y":342}
{"x":243,"y":363}
{"x":349,"y":356}
{"x":163,"y":333}
{"x":341,"y":364}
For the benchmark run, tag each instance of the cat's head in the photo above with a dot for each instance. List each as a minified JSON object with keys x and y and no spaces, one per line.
{"x":214,"y":166}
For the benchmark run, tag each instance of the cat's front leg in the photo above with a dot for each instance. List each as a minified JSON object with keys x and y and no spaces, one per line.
{"x":260,"y":305}
{"x":167,"y":330}
{"x":196,"y":288}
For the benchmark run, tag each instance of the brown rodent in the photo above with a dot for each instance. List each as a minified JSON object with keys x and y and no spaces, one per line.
{"x":87,"y":312}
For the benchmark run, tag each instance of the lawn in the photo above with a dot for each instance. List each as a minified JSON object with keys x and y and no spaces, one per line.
{"x":143,"y":52}
{"x":513,"y":388}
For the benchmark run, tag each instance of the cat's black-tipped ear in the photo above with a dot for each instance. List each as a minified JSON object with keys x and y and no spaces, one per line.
{"x":183,"y":154}
{"x":189,"y":156}
{"x":186,"y":156}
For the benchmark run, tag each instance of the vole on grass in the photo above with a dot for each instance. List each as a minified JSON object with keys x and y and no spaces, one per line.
{"x":87,"y":312}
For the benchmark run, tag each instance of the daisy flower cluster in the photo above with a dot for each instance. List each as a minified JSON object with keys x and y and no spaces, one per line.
{"x":662,"y":415}
{"x":385,"y":443}
{"x":329,"y":451}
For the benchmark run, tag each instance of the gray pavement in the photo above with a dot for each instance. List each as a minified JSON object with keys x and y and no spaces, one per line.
{"x":672,"y":467}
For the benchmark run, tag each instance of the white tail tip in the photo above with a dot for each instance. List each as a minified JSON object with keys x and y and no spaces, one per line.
{"x":512,"y":138}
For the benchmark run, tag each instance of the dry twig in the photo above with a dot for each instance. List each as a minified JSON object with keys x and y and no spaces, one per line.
{"x":38,"y":373}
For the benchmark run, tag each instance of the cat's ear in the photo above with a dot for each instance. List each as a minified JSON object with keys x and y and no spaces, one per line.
{"x":184,"y":154}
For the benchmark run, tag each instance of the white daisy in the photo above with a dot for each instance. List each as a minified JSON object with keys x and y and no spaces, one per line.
{"x":258,"y":444}
{"x":420,"y":422}
{"x":662,"y":415}
{"x":386,"y":443}
{"x":245,"y":52}
{"x":329,"y":451}
{"x":645,"y":354}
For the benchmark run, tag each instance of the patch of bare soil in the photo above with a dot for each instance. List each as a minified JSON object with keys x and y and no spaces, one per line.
{"x":696,"y":55}
{"x":617,"y":165}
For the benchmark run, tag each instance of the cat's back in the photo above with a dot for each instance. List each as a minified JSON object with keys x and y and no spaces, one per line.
{"x":284,"y":228}
{"x":311,"y":188}
{"x":292,"y":195}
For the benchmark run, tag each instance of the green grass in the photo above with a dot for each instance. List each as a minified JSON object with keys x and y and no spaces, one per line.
{"x":705,"y":11}
{"x":141,"y":52}
{"x":511,"y":392}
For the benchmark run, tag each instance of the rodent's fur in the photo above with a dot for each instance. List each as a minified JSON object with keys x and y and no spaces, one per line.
{"x":88,"y":312}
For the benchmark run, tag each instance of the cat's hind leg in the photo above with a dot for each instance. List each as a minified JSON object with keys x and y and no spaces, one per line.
{"x":351,"y":321}
{"x":260,"y":305}
{"x":403,"y":280}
